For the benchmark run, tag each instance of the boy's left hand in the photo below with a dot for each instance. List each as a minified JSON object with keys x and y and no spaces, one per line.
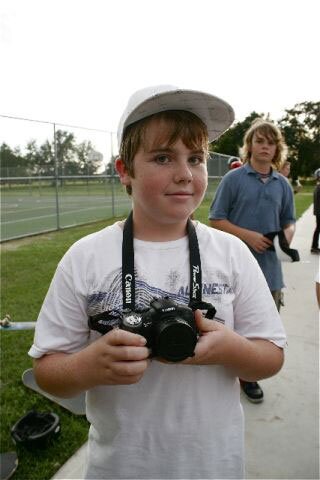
{"x":213,"y":342}
{"x":250,"y":359}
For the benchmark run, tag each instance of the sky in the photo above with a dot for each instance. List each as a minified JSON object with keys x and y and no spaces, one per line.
{"x":76,"y":62}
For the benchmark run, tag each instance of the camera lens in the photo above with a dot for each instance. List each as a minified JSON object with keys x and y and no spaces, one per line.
{"x":175,"y":340}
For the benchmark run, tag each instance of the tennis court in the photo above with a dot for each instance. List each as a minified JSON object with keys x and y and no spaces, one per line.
{"x":31,"y":209}
{"x":39,"y":206}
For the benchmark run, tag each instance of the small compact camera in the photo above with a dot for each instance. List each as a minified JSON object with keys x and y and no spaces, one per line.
{"x":169,"y":328}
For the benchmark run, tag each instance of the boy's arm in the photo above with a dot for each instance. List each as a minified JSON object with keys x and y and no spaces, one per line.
{"x":258,"y":242}
{"x":249,"y":359}
{"x":289,"y":231}
{"x":117,"y":358}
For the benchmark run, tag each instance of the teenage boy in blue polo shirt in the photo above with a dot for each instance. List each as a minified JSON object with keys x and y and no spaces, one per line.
{"x":254,"y":200}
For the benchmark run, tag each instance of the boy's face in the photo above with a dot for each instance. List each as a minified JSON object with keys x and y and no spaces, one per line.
{"x":286,"y":170}
{"x":169,"y":180}
{"x":263,"y":149}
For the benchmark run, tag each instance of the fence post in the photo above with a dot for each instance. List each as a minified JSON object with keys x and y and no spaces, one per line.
{"x":56,"y":174}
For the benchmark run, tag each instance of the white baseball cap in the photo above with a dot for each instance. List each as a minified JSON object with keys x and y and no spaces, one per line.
{"x":216,"y":114}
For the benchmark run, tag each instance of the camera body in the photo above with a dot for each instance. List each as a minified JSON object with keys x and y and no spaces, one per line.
{"x":168,"y":327}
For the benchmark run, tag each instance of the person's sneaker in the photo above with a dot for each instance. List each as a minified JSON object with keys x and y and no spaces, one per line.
{"x":315,"y":250}
{"x":253,"y":391}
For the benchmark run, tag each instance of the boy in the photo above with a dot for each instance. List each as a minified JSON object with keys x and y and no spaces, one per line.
{"x":255,"y":200}
{"x":152,"y":418}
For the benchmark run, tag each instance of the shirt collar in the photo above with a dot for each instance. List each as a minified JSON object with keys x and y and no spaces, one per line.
{"x":249,"y":169}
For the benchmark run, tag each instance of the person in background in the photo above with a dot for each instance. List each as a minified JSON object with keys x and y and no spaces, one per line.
{"x":153,"y":417}
{"x":251,"y":202}
{"x":317,"y":280}
{"x":316,"y":211}
{"x":234,"y":162}
{"x":285,"y":170}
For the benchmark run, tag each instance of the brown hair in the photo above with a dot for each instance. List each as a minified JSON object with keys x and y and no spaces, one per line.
{"x":175,"y":124}
{"x":271,"y":132}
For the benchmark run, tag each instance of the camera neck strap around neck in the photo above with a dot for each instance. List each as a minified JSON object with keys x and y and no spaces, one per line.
{"x":128,"y":278}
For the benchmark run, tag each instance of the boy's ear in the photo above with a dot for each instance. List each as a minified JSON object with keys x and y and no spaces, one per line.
{"x":121,"y":169}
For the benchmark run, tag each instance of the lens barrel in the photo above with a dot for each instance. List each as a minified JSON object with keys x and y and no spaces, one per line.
{"x":175,"y":340}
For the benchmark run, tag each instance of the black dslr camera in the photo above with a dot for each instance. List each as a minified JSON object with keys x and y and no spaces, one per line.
{"x":169,"y":327}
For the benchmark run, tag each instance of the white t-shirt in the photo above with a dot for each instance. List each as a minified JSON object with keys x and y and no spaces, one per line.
{"x":179,"y":421}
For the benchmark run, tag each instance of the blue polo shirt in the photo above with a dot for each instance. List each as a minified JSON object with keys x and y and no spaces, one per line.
{"x":248,"y":202}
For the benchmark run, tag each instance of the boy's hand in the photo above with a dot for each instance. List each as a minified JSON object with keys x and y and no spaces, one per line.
{"x":213,"y":341}
{"x":117,"y":358}
{"x":258,"y":242}
{"x":250,"y":359}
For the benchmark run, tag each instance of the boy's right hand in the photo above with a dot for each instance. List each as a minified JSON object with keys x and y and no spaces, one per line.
{"x":257,"y":241}
{"x":117,"y":358}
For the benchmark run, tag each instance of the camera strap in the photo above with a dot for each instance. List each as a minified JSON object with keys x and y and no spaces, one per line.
{"x":128,"y":279}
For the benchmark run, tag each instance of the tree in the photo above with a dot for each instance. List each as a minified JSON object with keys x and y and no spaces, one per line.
{"x":301,"y":128}
{"x":66,"y":153}
{"x":13,"y":163}
{"x":72,"y":158}
{"x":230,"y":142}
{"x":40,"y":160}
{"x":110,"y":167}
{"x":89,"y":159}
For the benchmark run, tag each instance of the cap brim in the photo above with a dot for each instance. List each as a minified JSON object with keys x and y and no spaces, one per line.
{"x":217,"y":114}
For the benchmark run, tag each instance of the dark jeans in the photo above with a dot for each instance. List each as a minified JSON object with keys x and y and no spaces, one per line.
{"x":315,"y":239}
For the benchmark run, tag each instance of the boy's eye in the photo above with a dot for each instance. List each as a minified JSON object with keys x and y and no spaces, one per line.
{"x":196,"y":160}
{"x":161,"y":159}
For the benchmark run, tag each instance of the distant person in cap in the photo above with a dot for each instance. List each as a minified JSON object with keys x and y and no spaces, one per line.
{"x":253,"y":201}
{"x":234,"y":162}
{"x":316,"y":211}
{"x":158,"y":409}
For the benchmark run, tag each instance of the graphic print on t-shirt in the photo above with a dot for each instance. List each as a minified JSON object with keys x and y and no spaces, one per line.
{"x":107,"y":298}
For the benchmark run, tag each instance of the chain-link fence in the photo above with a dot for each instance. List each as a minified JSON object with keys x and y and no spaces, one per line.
{"x":61,"y":176}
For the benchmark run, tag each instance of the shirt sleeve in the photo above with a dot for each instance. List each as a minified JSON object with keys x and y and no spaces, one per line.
{"x":221,"y":204}
{"x":62,"y":324}
{"x":287,"y":215}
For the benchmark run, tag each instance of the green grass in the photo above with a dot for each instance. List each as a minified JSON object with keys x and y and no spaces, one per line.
{"x":26,"y":270}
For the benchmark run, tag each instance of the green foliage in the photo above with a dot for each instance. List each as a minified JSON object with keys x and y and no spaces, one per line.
{"x":301,"y":128}
{"x":12,"y":159}
{"x":71,"y":158}
{"x":230,"y":142}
